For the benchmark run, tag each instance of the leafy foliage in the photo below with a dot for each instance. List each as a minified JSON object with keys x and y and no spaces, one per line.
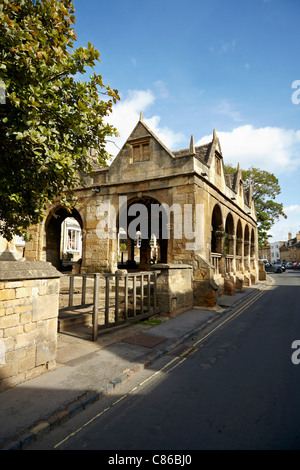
{"x":49,"y":120}
{"x":265,"y":188}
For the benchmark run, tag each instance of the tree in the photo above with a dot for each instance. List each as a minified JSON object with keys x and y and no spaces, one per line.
{"x":49,"y":119}
{"x":266,"y":188}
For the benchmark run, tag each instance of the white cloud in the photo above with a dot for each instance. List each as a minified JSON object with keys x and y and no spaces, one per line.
{"x":227,"y":46}
{"x":126,"y":114}
{"x":223,"y":47}
{"x":272,"y":149}
{"x":162,"y":89}
{"x":228,"y":109}
{"x":281,"y":229}
{"x":294,"y":209}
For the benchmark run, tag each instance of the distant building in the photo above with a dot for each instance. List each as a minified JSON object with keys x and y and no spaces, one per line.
{"x":290,"y":250}
{"x":265,"y":253}
{"x":12,"y":250}
{"x":275,"y":251}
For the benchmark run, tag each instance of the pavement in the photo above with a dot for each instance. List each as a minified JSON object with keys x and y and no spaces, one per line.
{"x":88,"y":370}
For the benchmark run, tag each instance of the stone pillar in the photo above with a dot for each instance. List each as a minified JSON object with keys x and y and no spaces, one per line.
{"x":174,"y":287}
{"x":240,"y":252}
{"x":247,"y":255}
{"x":220,"y":239}
{"x":29,"y":303}
{"x":231,"y":244}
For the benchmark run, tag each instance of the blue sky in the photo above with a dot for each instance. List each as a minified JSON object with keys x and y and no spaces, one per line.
{"x":195,"y":65}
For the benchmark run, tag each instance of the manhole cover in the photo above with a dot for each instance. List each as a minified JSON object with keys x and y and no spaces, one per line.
{"x":148,"y":341}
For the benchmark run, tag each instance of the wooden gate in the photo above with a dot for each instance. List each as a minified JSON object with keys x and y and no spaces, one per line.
{"x":110,"y":299}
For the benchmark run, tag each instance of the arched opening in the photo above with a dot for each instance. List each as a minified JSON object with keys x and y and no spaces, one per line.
{"x":246,"y":241}
{"x":229,"y":243}
{"x":252,"y":244}
{"x":229,"y":235}
{"x":63,"y":238}
{"x":217,"y":234}
{"x":239,"y":239}
{"x":142,"y":234}
{"x":247,"y":248}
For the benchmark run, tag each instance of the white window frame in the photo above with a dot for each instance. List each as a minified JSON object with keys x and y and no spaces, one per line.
{"x":75,"y":237}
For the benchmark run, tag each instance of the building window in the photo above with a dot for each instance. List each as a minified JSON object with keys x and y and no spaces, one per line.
{"x":218,"y":165}
{"x":141,"y":152}
{"x":73,"y":240}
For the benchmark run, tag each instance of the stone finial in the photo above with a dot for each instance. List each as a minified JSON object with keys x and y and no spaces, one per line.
{"x":214,"y":134}
{"x":141,"y":116}
{"x":192,"y":145}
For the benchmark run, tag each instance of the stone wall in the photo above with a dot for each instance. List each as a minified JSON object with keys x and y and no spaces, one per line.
{"x":29,"y":296}
{"x":174,"y":287}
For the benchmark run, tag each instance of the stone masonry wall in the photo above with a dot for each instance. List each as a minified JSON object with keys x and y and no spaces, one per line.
{"x":174,"y":287}
{"x":29,"y":295}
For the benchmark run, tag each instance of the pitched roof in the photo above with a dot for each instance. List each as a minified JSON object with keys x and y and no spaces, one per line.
{"x":201,"y":153}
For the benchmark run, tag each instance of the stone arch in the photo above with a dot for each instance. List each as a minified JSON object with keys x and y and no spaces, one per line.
{"x":217,"y":230}
{"x":252,"y":243}
{"x":239,"y":238}
{"x":246,"y":241}
{"x":145,"y":224}
{"x":229,"y":235}
{"x":55,"y":233}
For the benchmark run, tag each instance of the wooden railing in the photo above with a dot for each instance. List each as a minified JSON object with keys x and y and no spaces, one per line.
{"x":111,"y":299}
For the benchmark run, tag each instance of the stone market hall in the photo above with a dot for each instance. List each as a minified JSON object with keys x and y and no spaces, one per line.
{"x":153,"y":208}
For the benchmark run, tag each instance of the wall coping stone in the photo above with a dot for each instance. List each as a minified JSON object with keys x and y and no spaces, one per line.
{"x":21,"y":270}
{"x":171,"y":266}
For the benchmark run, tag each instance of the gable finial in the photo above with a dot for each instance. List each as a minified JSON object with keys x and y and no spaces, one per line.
{"x":192,"y":146}
{"x":141,"y":116}
{"x":214,"y":134}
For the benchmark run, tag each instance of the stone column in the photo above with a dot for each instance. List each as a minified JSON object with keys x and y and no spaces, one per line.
{"x":240,"y":252}
{"x":220,"y":239}
{"x":247,"y":255}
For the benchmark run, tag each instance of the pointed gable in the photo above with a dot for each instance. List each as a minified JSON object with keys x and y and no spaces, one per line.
{"x":237,"y":180}
{"x":139,"y":142}
{"x":215,"y":149}
{"x":143,"y":156}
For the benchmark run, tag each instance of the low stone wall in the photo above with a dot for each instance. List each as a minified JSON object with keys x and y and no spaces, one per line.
{"x":174,"y":287}
{"x":29,"y":301}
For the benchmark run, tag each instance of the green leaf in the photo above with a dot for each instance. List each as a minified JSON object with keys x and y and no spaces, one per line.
{"x":47,"y":133}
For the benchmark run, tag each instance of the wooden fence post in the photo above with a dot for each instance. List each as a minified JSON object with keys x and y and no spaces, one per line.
{"x":96,"y":306}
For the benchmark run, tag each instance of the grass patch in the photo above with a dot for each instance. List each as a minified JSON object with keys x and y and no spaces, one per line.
{"x":150,"y":321}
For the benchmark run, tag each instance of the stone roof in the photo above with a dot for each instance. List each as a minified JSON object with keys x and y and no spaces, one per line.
{"x":201,"y":153}
{"x":292,"y":243}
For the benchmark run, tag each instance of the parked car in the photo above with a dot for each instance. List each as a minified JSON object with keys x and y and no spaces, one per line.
{"x":294,"y":265}
{"x":278,"y":264}
{"x":288,"y":265}
{"x":273,"y":268}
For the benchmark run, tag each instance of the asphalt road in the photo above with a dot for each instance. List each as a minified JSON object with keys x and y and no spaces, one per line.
{"x":235,"y":389}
